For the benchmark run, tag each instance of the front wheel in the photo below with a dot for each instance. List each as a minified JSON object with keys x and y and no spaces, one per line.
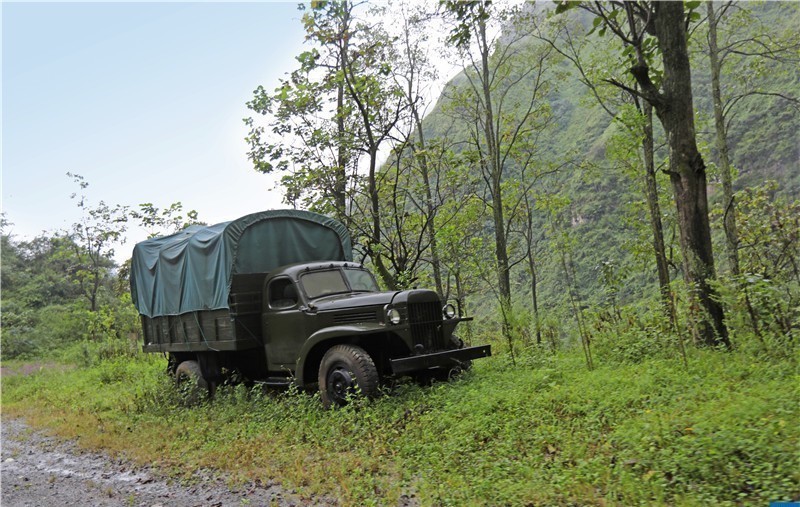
{"x":346,"y":370}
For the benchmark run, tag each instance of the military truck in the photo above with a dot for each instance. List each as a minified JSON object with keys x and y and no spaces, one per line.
{"x":276,"y":297}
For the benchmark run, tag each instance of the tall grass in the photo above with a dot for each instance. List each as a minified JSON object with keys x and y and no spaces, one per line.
{"x":547,"y":431}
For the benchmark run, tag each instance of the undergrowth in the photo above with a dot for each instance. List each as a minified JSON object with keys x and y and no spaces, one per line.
{"x":544,"y":432}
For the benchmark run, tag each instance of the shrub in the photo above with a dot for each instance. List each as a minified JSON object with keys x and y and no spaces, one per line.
{"x":631,"y":336}
{"x":17,"y":342}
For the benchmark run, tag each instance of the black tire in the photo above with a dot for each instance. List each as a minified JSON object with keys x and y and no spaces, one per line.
{"x":189,"y":378}
{"x":346,"y":370}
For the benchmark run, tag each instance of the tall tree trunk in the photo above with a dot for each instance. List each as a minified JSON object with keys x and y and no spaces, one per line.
{"x":496,"y":173}
{"x":501,"y":246}
{"x":342,"y":155}
{"x":430,"y":208}
{"x":651,"y":194}
{"x":729,"y":221}
{"x":537,"y":323}
{"x":375,"y":240}
{"x":574,"y":300}
{"x":461,"y":299}
{"x":687,"y":170}
{"x":528,"y":233}
{"x":339,"y":188}
{"x":94,"y":290}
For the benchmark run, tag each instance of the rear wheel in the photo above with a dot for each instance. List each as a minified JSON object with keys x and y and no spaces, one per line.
{"x":346,"y":370}
{"x":189,"y":378}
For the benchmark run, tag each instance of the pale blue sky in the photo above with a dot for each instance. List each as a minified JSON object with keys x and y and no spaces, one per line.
{"x":145,"y":100}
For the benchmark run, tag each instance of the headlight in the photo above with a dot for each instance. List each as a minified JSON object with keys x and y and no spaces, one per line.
{"x":393,"y":316}
{"x":449,"y":311}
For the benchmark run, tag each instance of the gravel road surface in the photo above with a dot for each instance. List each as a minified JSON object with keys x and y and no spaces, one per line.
{"x":37,"y":470}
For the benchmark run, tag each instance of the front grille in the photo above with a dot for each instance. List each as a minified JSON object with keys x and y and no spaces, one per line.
{"x":425,"y":320}
{"x":352,"y":318}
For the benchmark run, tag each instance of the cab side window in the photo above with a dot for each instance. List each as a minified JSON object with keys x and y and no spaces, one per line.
{"x":282,"y":294}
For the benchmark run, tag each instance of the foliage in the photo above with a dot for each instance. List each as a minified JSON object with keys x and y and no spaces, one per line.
{"x":44,"y":309}
{"x":94,"y":235}
{"x":311,"y":129}
{"x":161,"y":222}
{"x":770,"y":235}
{"x":599,"y":173}
{"x":502,"y":103}
{"x":765,"y":298}
{"x":63,"y":288}
{"x":40,"y":304}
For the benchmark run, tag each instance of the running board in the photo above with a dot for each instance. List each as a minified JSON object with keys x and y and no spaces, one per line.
{"x":275,"y":381}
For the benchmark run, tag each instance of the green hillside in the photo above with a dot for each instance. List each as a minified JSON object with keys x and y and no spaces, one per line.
{"x":606,"y":210}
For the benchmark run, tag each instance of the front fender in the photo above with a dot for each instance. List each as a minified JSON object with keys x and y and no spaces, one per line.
{"x":332,"y":333}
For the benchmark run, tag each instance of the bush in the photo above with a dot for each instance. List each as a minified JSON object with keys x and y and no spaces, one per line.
{"x":18,"y":343}
{"x":763,"y":314}
{"x":631,"y":336}
{"x":60,"y":324}
{"x":64,"y":329}
{"x":38,"y":332}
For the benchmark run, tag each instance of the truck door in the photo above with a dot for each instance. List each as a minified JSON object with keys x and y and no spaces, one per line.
{"x":283,"y":325}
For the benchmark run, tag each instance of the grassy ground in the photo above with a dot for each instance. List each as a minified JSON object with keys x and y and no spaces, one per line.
{"x":547,"y":431}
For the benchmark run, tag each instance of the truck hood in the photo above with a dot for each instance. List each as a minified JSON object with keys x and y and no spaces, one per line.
{"x":356,"y":300}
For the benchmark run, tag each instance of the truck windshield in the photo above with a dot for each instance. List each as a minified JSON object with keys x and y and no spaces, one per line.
{"x":360,"y":280}
{"x":323,"y":283}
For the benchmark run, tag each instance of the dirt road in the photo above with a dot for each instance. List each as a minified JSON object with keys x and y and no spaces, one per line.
{"x":37,"y":470}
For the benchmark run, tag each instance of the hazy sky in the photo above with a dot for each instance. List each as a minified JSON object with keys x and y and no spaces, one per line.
{"x":145,"y":100}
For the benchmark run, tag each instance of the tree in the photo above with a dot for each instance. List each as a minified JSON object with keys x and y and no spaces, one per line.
{"x":161,"y":222}
{"x":311,"y":130}
{"x":404,"y":223}
{"x":93,"y":237}
{"x":461,"y":230}
{"x":769,"y":228}
{"x":414,"y":74}
{"x":560,"y":35}
{"x":532,"y":239}
{"x":378,"y":104}
{"x":41,"y":305}
{"x":563,"y":242}
{"x":351,"y":66}
{"x":743,"y":47}
{"x":647,"y":29}
{"x":502,"y":101}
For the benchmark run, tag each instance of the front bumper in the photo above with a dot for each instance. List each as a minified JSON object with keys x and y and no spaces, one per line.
{"x":446,"y":358}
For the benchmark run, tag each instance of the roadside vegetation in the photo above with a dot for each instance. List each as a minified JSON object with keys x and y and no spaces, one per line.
{"x":544,"y":432}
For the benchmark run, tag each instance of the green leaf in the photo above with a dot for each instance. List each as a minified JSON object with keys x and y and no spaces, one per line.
{"x":564,"y":5}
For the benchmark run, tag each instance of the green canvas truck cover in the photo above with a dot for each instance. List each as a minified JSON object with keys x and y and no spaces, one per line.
{"x":193,"y":269}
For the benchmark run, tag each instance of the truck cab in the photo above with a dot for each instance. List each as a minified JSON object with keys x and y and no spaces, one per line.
{"x":311,"y":309}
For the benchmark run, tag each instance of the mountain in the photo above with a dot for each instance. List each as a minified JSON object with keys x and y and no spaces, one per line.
{"x":611,"y":252}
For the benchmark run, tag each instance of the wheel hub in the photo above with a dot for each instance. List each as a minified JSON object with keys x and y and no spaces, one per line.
{"x":340,"y":382}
